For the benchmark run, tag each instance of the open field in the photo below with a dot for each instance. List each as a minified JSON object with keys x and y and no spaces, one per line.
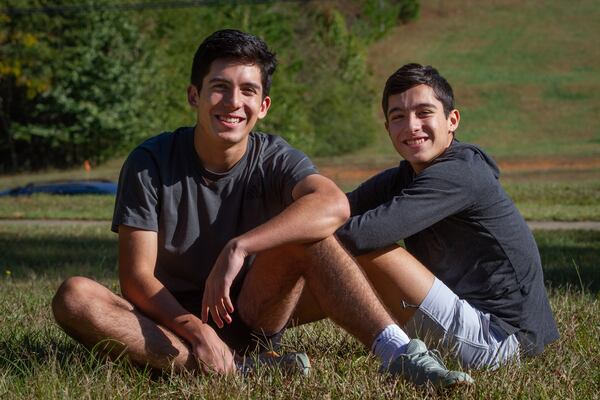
{"x":527,"y":78}
{"x":526,"y":74}
{"x":554,"y":201}
{"x":38,"y":361}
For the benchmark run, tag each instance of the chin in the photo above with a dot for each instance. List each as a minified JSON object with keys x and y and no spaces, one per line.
{"x":232,"y":137}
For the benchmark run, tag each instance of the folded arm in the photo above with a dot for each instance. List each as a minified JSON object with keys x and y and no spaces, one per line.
{"x":137,"y":260}
{"x":440,"y":191}
{"x":318,"y":209}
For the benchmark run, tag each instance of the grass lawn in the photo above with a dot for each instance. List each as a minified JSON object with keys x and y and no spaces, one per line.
{"x":47,"y":206}
{"x":38,"y":361}
{"x":558,"y":201}
{"x":527,"y":79}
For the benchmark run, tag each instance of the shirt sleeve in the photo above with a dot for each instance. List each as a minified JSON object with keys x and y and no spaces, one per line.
{"x":374,"y":191}
{"x":441,"y":190}
{"x":289,"y":166}
{"x":137,"y":202}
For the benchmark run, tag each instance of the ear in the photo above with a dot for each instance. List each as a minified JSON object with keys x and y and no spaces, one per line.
{"x":192,"y":95}
{"x":264,"y":107}
{"x":453,"y":120}
{"x":387,"y":126}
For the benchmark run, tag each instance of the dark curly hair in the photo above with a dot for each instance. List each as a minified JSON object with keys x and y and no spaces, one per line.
{"x":411,"y":75}
{"x":233,"y":45}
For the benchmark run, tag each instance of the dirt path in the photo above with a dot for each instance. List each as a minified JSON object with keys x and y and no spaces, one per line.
{"x":534,"y":225}
{"x":585,"y":167}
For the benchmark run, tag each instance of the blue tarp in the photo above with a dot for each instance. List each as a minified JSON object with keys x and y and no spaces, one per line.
{"x":64,"y":187}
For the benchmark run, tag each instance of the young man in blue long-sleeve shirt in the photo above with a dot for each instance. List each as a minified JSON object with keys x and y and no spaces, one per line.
{"x":470,"y":280}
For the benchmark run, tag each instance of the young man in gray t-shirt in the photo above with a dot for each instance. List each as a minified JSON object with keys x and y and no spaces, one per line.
{"x":471,"y":281}
{"x":220,"y":229}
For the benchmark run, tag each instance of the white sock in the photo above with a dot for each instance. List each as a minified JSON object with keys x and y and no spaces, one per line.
{"x":389,"y":344}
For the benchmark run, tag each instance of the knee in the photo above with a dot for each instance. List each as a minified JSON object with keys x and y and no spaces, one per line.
{"x":303,"y":255}
{"x":324,"y":248}
{"x":70,"y":297}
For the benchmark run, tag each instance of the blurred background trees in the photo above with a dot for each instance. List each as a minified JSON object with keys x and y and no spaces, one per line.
{"x":90,"y":82}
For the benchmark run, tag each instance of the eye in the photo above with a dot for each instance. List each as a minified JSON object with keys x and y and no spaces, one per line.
{"x":249,"y":91}
{"x":219,"y":86}
{"x":425,"y":113}
{"x":396,"y":116}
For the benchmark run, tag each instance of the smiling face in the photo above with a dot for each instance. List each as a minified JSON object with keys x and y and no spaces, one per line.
{"x":418,"y":127}
{"x":228,"y":105}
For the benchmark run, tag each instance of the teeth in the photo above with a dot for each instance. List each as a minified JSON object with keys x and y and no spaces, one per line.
{"x":415,"y":141}
{"x":231,"y":120}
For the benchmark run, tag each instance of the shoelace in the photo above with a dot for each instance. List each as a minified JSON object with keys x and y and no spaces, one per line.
{"x":435,"y":354}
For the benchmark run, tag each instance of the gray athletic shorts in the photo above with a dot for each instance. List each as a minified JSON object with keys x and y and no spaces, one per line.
{"x":455,"y":327}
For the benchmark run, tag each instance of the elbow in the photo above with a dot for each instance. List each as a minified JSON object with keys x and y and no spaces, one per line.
{"x":344,"y":209}
{"x":130,"y":289}
{"x":340,"y":211}
{"x":127,"y":290}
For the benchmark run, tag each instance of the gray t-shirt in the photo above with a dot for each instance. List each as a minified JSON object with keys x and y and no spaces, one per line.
{"x":457,"y":220}
{"x":163,"y":187}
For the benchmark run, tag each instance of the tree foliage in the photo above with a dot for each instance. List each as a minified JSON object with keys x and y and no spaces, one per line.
{"x":322,"y":97}
{"x":91,"y":84}
{"x":73,"y":87}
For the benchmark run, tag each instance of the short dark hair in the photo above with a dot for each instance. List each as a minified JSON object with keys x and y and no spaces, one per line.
{"x":236,"y":46}
{"x":411,"y":75}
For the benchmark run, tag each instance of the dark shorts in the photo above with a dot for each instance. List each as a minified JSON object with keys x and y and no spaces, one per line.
{"x":237,"y":335}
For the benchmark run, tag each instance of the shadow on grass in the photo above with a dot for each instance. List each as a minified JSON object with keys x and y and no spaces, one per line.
{"x":27,"y":356}
{"x":57,"y":255}
{"x":21,"y":353}
{"x":571,"y":259}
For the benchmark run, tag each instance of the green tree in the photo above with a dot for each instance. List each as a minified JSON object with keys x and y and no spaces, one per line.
{"x":74,"y":86}
{"x":93,"y":83}
{"x":322,"y":97}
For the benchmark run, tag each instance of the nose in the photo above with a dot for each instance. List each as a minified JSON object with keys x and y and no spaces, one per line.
{"x":413,"y":122}
{"x":233,"y":99}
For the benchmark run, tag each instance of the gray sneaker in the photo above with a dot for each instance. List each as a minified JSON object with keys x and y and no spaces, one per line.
{"x":420,"y":365}
{"x":289,"y":363}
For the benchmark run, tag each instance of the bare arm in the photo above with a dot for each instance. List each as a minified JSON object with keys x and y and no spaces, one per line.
{"x":319,"y":208}
{"x":137,"y":259}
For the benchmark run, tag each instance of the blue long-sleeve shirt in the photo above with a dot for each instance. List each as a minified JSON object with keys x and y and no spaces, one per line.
{"x":456,"y":219}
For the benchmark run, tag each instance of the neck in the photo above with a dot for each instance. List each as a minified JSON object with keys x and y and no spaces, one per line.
{"x":218,"y":157}
{"x":417,"y":168}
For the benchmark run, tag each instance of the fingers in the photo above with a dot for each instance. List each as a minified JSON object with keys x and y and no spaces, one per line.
{"x":204,"y":309}
{"x":223,"y":313}
{"x":216,"y":317}
{"x":213,"y":355}
{"x":228,"y":305}
{"x":219,"y":306}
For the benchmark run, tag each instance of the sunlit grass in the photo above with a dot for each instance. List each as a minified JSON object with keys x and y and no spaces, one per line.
{"x":525,"y":74}
{"x":557,"y":201}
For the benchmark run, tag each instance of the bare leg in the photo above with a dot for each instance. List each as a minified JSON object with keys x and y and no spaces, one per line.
{"x":274,"y":284}
{"x":99,"y":319}
{"x":397,"y":277}
{"x":335,"y":285}
{"x":307,"y":310}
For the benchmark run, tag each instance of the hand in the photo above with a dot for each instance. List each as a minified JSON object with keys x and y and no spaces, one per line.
{"x":216,"y":290}
{"x":211,"y":353}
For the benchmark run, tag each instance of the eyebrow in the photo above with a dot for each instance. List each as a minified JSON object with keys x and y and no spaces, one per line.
{"x":420,"y":105}
{"x":246,"y":84}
